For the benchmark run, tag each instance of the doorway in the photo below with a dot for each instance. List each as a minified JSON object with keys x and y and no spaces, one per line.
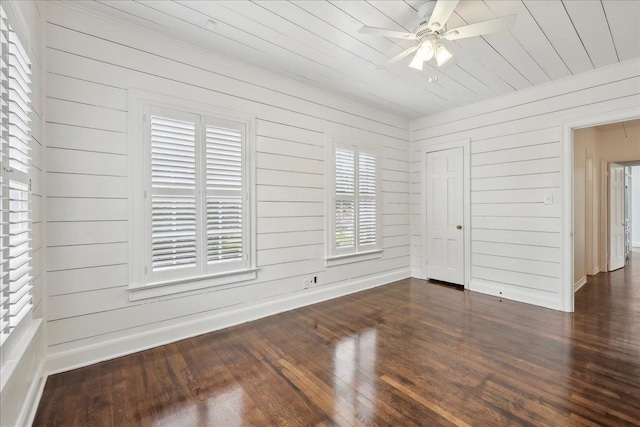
{"x":601,"y":208}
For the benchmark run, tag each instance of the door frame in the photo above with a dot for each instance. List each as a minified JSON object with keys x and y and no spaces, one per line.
{"x":465,"y":144}
{"x":567,"y":294}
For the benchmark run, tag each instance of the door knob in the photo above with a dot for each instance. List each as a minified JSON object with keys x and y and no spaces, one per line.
{"x":459,"y":227}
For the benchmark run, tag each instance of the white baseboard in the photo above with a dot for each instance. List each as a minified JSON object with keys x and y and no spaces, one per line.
{"x":416,"y":272}
{"x":595,"y":271}
{"x":77,"y":358}
{"x":529,"y":296}
{"x":580,"y":283}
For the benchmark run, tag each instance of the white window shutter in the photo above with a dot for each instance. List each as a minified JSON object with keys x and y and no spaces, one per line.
{"x":344,"y":200}
{"x":4,"y":202}
{"x":16,"y":300}
{"x":224,"y":194}
{"x":173,"y":203}
{"x":367,"y":204}
{"x":19,"y":252}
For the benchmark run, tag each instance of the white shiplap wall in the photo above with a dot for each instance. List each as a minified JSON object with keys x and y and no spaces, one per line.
{"x":22,"y":374}
{"x":516,"y":161}
{"x":92,"y":62}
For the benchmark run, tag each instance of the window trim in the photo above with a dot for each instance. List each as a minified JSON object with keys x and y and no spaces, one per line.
{"x":139,"y":101}
{"x":335,"y":257}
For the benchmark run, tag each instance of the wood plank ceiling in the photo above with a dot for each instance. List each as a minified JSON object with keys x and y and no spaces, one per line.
{"x":317,"y":42}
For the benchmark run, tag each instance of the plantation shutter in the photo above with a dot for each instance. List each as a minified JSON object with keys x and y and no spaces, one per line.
{"x":354,"y":204}
{"x":367,"y":204}
{"x":345,"y":201}
{"x":4,"y":202}
{"x":172,"y":197}
{"x":225,"y":233}
{"x":16,"y":282}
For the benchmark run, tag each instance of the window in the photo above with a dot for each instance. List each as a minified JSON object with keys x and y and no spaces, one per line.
{"x":354,"y":205}
{"x":196,"y":204}
{"x":15,"y":215}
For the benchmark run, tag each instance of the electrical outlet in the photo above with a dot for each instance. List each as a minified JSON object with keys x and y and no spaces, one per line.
{"x":548,"y":199}
{"x":305,"y":283}
{"x":315,"y":279}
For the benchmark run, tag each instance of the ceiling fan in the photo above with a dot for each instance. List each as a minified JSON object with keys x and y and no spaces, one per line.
{"x":434,"y":15}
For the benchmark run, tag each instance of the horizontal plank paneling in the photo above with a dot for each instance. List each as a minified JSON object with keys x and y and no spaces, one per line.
{"x":92,"y":63}
{"x":85,"y":233}
{"x":80,"y":138}
{"x":85,"y":162}
{"x":521,"y":224}
{"x":515,"y":163}
{"x":87,"y":279}
{"x":497,"y":144}
{"x":533,"y":152}
{"x":86,"y":209}
{"x":538,"y":180}
{"x":526,"y":252}
{"x":76,"y":185}
{"x":518,"y":237}
{"x":542,"y":268}
{"x":71,"y":257}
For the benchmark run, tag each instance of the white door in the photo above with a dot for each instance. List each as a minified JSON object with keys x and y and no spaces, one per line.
{"x":445,"y":213}
{"x":616,"y":216}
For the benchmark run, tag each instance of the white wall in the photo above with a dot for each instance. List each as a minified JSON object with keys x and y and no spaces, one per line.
{"x":92,"y":62}
{"x":516,"y":161}
{"x":22,"y":374}
{"x":584,"y":145}
{"x":635,"y":207}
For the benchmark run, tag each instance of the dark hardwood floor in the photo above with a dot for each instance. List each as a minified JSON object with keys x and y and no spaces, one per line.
{"x":410,"y":353}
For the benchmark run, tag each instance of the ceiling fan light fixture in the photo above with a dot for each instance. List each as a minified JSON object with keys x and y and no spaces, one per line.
{"x":442,"y":55}
{"x":425,"y":51}
{"x":416,"y":63}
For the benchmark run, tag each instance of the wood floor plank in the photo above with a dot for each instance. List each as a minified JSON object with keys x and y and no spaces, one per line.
{"x":411,"y":353}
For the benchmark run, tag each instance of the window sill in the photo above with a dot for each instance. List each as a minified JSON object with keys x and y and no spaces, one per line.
{"x":351,"y":258}
{"x":158,"y":289}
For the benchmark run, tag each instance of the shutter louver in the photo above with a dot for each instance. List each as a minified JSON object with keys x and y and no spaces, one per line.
{"x":224,"y":201}
{"x":367,"y":227}
{"x":173,"y":153}
{"x":19,"y":101}
{"x":4,"y":203}
{"x":345,"y":218}
{"x":173,"y":234}
{"x":19,"y":252}
{"x":173,"y":194}
{"x":15,"y":259}
{"x":224,"y":228}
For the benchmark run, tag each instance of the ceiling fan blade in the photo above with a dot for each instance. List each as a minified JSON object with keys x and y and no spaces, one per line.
{"x":402,"y":55}
{"x":481,"y":28}
{"x":387,"y":33}
{"x":441,"y":14}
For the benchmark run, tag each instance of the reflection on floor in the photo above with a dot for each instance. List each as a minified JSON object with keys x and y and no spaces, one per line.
{"x":409,"y":353}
